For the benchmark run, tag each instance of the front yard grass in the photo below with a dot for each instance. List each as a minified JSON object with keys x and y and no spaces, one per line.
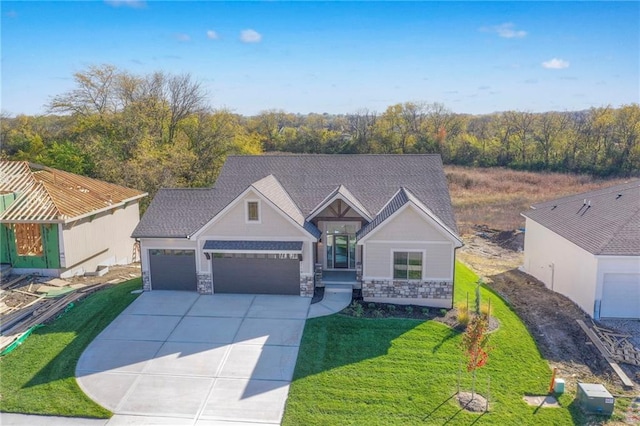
{"x":355,"y":371}
{"x":39,"y":376}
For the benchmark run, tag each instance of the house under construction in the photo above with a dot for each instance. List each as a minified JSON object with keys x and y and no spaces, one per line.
{"x":56,"y":223}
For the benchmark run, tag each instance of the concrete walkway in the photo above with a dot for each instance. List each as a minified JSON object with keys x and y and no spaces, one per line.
{"x":336,"y":298}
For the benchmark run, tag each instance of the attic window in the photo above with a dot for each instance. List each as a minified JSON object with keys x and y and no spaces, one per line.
{"x":28,"y":239}
{"x":252,"y":211}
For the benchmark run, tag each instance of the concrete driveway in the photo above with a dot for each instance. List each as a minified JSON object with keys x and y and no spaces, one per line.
{"x":181,"y":358}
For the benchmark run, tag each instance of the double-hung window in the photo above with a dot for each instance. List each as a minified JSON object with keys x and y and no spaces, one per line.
{"x":407,"y":265}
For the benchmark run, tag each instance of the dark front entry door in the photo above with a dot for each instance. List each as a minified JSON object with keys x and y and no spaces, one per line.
{"x":341,"y":251}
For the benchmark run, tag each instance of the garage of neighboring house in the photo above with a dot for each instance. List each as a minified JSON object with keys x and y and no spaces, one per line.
{"x":173,"y":269}
{"x":620,"y":296}
{"x":261,"y":267}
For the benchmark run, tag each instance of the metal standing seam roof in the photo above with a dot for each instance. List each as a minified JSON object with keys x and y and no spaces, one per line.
{"x":602,"y":222}
{"x":46,"y":195}
{"x":225,"y":245}
{"x":307,"y":179}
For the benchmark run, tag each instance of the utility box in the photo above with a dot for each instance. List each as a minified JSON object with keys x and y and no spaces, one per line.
{"x":558,"y":385}
{"x":595,"y":398}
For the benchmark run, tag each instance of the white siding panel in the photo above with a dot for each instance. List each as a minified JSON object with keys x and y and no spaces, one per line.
{"x":272,"y":223}
{"x":103,"y":240}
{"x":439,"y":261}
{"x":438,"y":265}
{"x":408,"y":226}
{"x":561,"y":265}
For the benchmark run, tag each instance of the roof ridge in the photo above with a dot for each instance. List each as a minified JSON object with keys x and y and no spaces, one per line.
{"x":596,"y":193}
{"x":53,"y":201}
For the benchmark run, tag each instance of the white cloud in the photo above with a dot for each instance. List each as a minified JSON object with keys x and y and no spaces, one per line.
{"x":555,"y":64}
{"x":183,"y":37}
{"x":212,"y":35}
{"x":506,"y":30}
{"x":136,"y":4}
{"x":250,"y":36}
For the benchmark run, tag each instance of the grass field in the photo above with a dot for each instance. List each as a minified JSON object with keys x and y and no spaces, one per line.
{"x":355,"y":371}
{"x":39,"y":376}
{"x":495,"y":197}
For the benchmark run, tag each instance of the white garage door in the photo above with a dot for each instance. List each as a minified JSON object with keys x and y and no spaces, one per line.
{"x":620,"y":296}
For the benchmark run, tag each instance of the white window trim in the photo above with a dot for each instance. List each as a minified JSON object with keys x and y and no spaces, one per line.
{"x":424,"y":263}
{"x":246,"y":212}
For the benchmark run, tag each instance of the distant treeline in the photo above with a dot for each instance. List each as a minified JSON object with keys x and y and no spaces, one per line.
{"x":156,"y":130}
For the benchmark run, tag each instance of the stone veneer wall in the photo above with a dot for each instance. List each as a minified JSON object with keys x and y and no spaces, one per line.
{"x":205,"y":284}
{"x":146,"y":281}
{"x":407,"y":289}
{"x":306,"y":285}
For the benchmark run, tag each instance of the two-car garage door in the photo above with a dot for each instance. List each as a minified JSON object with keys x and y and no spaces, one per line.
{"x":620,"y":296}
{"x":261,"y":274}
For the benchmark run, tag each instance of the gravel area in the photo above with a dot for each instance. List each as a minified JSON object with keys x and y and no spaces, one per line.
{"x":625,"y":326}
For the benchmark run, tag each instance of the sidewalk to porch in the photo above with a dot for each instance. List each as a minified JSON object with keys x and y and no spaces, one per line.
{"x":336,"y":298}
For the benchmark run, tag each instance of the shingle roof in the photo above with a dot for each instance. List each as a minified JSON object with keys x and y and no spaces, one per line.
{"x":47,"y":195}
{"x":271,"y":189}
{"x":603,"y":222}
{"x":402,"y":197}
{"x":308,"y":180}
{"x":253,"y":245}
{"x":178,"y":213}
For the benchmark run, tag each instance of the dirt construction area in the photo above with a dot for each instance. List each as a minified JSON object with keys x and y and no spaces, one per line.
{"x":549,"y":316}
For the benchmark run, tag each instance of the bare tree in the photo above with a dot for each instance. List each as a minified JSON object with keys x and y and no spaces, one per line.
{"x":185,"y":97}
{"x":94,"y":93}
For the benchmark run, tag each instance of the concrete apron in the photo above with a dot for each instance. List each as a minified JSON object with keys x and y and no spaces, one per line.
{"x":181,"y":358}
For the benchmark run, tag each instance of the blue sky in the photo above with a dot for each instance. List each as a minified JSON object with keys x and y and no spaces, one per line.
{"x":335,"y":57}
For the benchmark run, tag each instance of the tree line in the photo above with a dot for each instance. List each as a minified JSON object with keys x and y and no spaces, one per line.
{"x":157,"y":130}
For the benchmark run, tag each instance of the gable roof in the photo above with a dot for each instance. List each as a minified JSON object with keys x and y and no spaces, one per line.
{"x":46,"y":195}
{"x":402,"y":198}
{"x":603,"y":222}
{"x":271,"y":189}
{"x":372,"y":180}
{"x":343,"y":193}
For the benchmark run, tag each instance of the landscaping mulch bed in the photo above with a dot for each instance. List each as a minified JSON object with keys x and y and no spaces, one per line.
{"x":449,"y":317}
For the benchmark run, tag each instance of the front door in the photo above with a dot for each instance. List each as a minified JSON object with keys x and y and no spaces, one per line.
{"x":341,"y":251}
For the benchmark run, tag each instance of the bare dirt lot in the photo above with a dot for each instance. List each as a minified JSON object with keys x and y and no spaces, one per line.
{"x":549,"y":316}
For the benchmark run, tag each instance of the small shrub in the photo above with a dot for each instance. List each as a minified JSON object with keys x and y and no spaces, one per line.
{"x":463,"y":318}
{"x":358,"y":310}
{"x":485,"y":310}
{"x":371,"y":305}
{"x":391,"y":308}
{"x":463,"y":313}
{"x":443,"y":312}
{"x":354,"y":309}
{"x":409,"y":310}
{"x":378,"y":313}
{"x":426,"y":311}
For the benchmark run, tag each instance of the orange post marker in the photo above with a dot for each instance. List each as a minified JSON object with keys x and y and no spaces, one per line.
{"x":553,"y":378}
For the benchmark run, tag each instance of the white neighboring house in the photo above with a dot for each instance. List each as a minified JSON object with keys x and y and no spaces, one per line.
{"x":284,"y":224}
{"x":587,"y":247}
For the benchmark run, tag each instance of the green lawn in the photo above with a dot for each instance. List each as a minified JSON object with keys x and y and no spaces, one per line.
{"x":356,"y":371}
{"x":39,"y":376}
